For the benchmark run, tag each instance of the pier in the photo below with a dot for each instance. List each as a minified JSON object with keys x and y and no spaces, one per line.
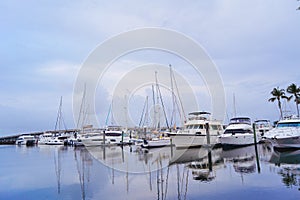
{"x":12,"y":138}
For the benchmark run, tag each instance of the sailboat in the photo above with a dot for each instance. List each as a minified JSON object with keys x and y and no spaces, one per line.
{"x":61,"y":136}
{"x":161,"y":139}
{"x":111,"y":135}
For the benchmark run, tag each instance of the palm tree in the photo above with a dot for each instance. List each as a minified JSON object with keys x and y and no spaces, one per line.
{"x":293,"y":89}
{"x":278,"y":94}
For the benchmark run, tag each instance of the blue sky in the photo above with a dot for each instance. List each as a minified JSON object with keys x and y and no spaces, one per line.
{"x":254,"y":44}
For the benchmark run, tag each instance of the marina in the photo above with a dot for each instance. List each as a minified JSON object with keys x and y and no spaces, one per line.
{"x":150,"y":100}
{"x":132,"y":173}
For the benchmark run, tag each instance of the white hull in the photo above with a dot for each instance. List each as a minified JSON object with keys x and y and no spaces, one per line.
{"x":238,"y":139}
{"x":288,"y":142}
{"x":59,"y":140}
{"x":156,"y":143}
{"x":55,"y":142}
{"x":26,"y":140}
{"x":192,"y":140}
{"x":286,"y":134}
{"x":108,"y":140}
{"x":92,"y":141}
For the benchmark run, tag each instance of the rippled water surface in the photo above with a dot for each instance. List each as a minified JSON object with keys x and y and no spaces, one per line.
{"x":57,"y":172}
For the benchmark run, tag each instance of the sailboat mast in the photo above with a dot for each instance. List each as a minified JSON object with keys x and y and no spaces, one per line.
{"x":81,"y":111}
{"x":108,"y":114}
{"x":59,"y":120}
{"x":157,"y":101}
{"x":173,"y":116}
{"x":161,"y":101}
{"x":146,"y":121}
{"x":234,"y":105}
{"x":154,"y":108}
{"x":181,"y":112}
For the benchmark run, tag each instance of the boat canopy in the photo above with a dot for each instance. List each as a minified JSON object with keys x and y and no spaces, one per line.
{"x":238,"y":120}
{"x":262,"y":121}
{"x":199,"y":113}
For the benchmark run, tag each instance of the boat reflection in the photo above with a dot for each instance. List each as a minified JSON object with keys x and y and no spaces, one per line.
{"x":202,"y":162}
{"x":288,"y":163}
{"x":111,"y":156}
{"x":83,"y":164}
{"x":243,"y":159}
{"x":286,"y":158}
{"x":131,"y":159}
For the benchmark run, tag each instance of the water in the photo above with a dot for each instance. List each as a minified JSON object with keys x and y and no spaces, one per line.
{"x":56,"y":172}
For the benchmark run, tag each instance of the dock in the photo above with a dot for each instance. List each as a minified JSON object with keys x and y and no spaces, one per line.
{"x":11,"y":139}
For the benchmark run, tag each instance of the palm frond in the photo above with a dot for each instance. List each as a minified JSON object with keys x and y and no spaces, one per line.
{"x":272,"y":99}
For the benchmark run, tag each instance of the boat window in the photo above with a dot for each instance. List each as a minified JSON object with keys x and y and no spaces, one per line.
{"x":214,"y":127}
{"x":289,"y":124}
{"x":196,"y":126}
{"x":113,"y":134}
{"x":240,"y":120}
{"x":189,"y":126}
{"x":232,"y":131}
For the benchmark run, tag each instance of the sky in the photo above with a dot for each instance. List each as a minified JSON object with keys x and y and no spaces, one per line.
{"x":254,"y":45}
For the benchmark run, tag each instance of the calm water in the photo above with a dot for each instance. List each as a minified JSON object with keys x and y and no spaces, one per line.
{"x":55,"y":172}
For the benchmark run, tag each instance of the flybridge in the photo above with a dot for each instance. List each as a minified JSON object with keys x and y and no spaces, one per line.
{"x":199,"y":115}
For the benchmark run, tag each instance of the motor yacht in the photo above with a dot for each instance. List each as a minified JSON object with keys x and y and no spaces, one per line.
{"x":286,"y":134}
{"x":239,"y":132}
{"x":26,"y":140}
{"x":195,"y":131}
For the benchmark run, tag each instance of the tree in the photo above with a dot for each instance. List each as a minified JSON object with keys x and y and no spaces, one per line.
{"x":278,"y":94}
{"x":293,"y":89}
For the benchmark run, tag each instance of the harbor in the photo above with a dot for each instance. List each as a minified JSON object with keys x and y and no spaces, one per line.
{"x":109,"y":162}
{"x":145,"y":100}
{"x":64,"y":172}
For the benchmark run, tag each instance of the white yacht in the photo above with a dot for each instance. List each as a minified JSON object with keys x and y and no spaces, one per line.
{"x":44,"y":138}
{"x":26,"y":140}
{"x":113,"y":135}
{"x":156,"y":142}
{"x":286,"y":134}
{"x":57,"y":140}
{"x":262,"y":126}
{"x":92,"y":139}
{"x":195,"y":131}
{"x":239,"y":132}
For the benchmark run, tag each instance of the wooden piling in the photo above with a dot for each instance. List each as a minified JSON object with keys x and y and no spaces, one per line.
{"x":207,"y":133}
{"x":103,"y":138}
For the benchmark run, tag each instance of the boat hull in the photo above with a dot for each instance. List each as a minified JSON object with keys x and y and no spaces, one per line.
{"x":156,"y":143}
{"x":286,"y":143}
{"x":237,"y":139}
{"x":108,"y":140}
{"x":26,"y":140}
{"x":192,"y":140}
{"x":286,"y":135}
